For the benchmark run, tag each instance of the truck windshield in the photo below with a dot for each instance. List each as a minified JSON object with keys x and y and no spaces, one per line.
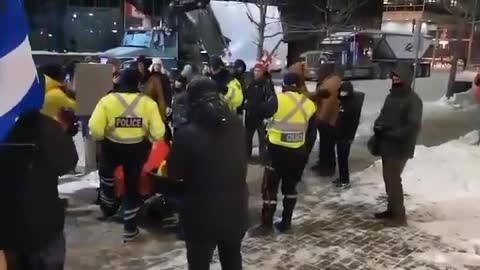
{"x":137,"y":39}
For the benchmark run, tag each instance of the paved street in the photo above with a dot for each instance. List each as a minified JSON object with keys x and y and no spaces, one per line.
{"x":328,"y":235}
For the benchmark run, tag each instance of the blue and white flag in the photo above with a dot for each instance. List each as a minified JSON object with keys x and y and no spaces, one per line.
{"x":21,"y":89}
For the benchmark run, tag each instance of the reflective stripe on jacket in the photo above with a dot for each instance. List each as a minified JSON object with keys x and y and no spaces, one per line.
{"x":126,"y":118}
{"x":290,"y":122}
{"x":234,"y":95}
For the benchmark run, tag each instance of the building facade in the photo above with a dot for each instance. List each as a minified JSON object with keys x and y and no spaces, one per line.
{"x":75,"y":25}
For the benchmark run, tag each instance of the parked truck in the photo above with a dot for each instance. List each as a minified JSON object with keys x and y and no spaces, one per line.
{"x":368,"y":54}
{"x":181,"y":37}
{"x":183,"y":32}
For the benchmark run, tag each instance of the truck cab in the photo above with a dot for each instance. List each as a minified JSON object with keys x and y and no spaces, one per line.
{"x":154,"y":43}
{"x":368,"y":54}
{"x":181,"y":37}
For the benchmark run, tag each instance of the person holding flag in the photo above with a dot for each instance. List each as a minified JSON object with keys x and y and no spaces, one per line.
{"x":34,"y":151}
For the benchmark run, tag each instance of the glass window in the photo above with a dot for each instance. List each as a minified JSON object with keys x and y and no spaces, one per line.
{"x":72,"y":26}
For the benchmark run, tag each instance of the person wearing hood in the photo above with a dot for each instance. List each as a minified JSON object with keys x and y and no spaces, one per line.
{"x":123,"y":121}
{"x":36,"y":152}
{"x":351,"y":103}
{"x":291,"y":112}
{"x":159,"y":73}
{"x":180,"y":101}
{"x":142,"y":64}
{"x":327,"y":114}
{"x":395,"y":135}
{"x":208,"y":154}
{"x":228,"y":86}
{"x":239,"y":69}
{"x":56,"y":98}
{"x":258,"y":92}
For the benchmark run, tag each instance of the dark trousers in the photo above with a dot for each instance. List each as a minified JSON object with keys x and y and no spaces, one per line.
{"x":311,"y":137}
{"x":252,"y":126}
{"x":287,"y":166}
{"x":199,"y":254}
{"x":343,"y":154}
{"x":392,"y":170}
{"x":131,"y":157}
{"x":50,"y":257}
{"x":327,"y":148}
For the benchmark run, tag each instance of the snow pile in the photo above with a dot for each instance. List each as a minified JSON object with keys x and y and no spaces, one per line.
{"x":436,"y":174}
{"x":442,"y":187}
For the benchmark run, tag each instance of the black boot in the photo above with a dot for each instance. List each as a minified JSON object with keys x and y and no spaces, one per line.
{"x":266,"y":227}
{"x":286,"y":224}
{"x":342,"y":183}
{"x":383,"y":215}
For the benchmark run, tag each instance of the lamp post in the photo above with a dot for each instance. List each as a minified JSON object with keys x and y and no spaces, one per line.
{"x":472,"y":35}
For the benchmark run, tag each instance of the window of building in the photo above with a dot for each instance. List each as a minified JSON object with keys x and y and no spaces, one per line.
{"x":74,"y":26}
{"x":453,"y":3}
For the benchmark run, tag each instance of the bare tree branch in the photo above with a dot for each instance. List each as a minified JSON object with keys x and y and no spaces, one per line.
{"x":250,"y":16}
{"x":273,"y":35}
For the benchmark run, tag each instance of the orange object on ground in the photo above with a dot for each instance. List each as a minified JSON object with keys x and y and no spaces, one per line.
{"x":157,"y":156}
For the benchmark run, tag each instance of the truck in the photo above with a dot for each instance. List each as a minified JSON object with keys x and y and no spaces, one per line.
{"x":183,"y":32}
{"x":368,"y":54}
{"x":180,"y":37}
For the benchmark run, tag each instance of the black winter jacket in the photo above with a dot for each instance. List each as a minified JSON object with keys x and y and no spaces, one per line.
{"x":350,"y":112}
{"x":222,"y":79}
{"x":32,"y":158}
{"x":180,"y":109}
{"x":257,"y":93}
{"x":399,"y":123}
{"x":213,"y":164}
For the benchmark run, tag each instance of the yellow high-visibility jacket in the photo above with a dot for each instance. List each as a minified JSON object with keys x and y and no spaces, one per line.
{"x":234,"y":95}
{"x":289,"y":124}
{"x":126,"y":118}
{"x":56,"y":99}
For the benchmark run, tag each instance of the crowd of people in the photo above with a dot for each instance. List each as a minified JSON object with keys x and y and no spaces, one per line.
{"x":209,"y":119}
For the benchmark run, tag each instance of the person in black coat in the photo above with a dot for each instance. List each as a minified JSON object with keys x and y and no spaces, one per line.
{"x":257,"y":93}
{"x":239,"y":69}
{"x":180,"y":103}
{"x":351,"y":103}
{"x":34,"y":155}
{"x":396,"y":130}
{"x":208,"y":154}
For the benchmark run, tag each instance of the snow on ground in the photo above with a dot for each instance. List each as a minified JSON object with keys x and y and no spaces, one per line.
{"x":442,"y":187}
{"x":88,"y":181}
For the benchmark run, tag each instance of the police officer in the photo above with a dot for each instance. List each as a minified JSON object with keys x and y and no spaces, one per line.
{"x":291,"y":114}
{"x":124,"y":121}
{"x":229,"y":86}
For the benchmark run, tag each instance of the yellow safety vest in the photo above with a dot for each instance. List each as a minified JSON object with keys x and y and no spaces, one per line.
{"x":126,"y":118}
{"x":234,"y":95}
{"x":289,"y":124}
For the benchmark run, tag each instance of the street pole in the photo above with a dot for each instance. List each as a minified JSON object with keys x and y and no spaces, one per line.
{"x":435,"y":45}
{"x":417,"y":43}
{"x":472,"y":35}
